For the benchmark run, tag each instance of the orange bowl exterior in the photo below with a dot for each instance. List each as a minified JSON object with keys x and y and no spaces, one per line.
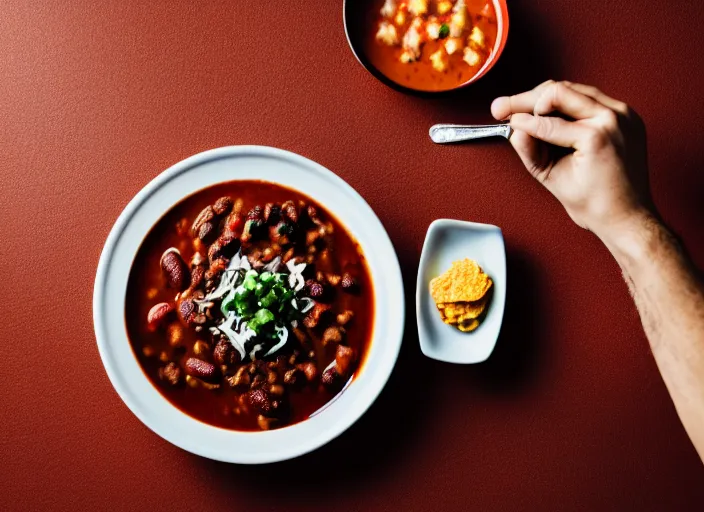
{"x":351,"y":31}
{"x":502,"y":36}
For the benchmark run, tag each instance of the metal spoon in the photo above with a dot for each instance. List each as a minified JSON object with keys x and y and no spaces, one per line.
{"x":447,"y":133}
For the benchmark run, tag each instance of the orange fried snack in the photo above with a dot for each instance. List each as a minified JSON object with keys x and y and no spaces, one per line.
{"x":461,"y":294}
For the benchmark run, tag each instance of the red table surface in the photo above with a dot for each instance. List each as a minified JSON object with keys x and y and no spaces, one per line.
{"x":570,"y":413}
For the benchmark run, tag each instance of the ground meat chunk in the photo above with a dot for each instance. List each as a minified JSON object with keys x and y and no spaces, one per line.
{"x":240,"y":379}
{"x":333,"y":334}
{"x":344,"y":360}
{"x":225,"y":246}
{"x":345,"y":317}
{"x":309,"y":370}
{"x":265,"y":423}
{"x":295,"y":377}
{"x":272,"y":213}
{"x":224,"y":353}
{"x":171,"y":373}
{"x":315,"y":314}
{"x":263,"y":403}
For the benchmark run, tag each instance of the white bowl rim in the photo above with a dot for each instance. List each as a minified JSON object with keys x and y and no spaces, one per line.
{"x":314,"y":436}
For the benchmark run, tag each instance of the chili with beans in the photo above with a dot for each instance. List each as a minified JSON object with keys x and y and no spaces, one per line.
{"x":249,"y":306}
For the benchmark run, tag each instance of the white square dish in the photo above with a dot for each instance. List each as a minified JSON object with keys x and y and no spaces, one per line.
{"x":449,"y":240}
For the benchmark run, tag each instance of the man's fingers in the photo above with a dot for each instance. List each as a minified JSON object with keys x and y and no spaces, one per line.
{"x":560,"y":98}
{"x":550,"y":129}
{"x":502,"y":108}
{"x":530,"y":150}
{"x":594,"y":93}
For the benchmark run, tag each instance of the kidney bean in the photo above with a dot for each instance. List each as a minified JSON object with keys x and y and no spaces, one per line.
{"x":201,"y":369}
{"x":174,"y":269}
{"x":331,"y":380}
{"x":314,"y":289}
{"x":290,"y":211}
{"x":349,"y":283}
{"x":157,"y":314}
{"x":207,"y":232}
{"x":235,"y":222}
{"x":225,"y":246}
{"x":272,"y":213}
{"x":225,"y":353}
{"x":262,"y":402}
{"x":187,"y":311}
{"x":259,"y":400}
{"x":206,"y":215}
{"x":222,"y":206}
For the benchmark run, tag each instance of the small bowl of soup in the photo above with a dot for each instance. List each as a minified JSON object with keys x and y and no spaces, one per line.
{"x":427,"y":45}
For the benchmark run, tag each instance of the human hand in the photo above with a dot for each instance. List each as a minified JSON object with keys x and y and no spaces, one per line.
{"x":595,"y":163}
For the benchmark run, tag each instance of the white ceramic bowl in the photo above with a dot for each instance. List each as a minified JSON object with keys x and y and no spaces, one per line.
{"x":447,"y":241}
{"x":167,"y":189}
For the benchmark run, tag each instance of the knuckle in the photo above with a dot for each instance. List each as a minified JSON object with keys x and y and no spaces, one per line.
{"x":544,"y":128}
{"x":610,"y":119}
{"x":623,"y":109}
{"x":597,"y":137}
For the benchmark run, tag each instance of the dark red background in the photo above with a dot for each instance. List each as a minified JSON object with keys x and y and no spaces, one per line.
{"x":97,"y":98}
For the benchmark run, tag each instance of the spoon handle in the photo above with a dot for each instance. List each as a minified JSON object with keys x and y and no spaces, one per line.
{"x":447,"y":133}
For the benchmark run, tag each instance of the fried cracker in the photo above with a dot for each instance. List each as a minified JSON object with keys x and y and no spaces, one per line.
{"x":463,"y":282}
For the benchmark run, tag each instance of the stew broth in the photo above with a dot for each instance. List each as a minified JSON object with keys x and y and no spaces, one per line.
{"x":441,"y":55}
{"x":336,"y":259}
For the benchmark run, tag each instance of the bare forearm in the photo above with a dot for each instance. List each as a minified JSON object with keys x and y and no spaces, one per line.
{"x":670,"y":299}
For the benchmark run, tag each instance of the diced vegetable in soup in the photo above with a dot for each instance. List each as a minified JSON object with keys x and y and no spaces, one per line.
{"x":431,"y":45}
{"x":249,"y":306}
